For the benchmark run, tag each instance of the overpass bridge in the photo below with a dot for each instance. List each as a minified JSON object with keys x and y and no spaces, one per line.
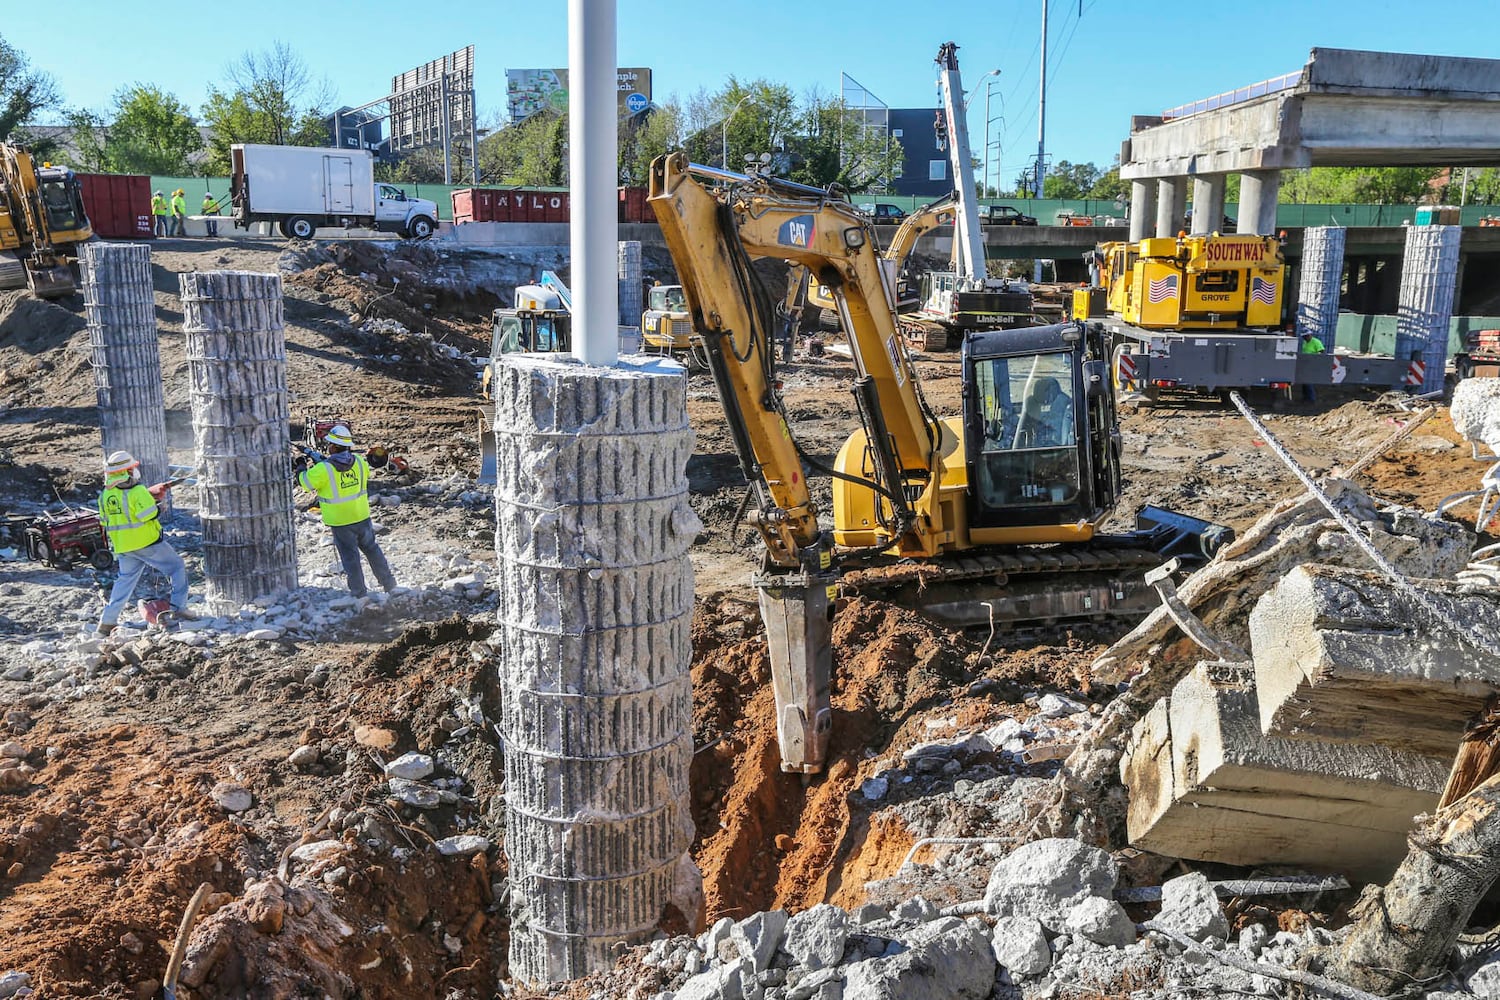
{"x":1343,"y":108}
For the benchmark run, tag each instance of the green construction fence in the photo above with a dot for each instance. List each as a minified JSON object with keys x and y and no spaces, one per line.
{"x":1045,"y":210}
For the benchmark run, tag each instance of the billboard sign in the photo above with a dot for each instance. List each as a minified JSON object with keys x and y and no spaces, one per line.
{"x":417,"y":101}
{"x":530,"y":90}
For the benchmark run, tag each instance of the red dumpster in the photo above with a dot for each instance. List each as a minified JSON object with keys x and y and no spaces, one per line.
{"x":118,"y":205}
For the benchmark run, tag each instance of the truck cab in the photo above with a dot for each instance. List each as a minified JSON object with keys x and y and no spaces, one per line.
{"x":395,"y":212}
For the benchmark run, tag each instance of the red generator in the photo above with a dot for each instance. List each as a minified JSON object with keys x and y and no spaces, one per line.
{"x":62,"y":538}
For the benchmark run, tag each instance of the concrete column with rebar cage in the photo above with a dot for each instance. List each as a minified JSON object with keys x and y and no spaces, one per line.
{"x":1429,"y":276}
{"x":592,"y":530}
{"x":236,"y":351}
{"x":120,"y":305}
{"x":1322,"y":282}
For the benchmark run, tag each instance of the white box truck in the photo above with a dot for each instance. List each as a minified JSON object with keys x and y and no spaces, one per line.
{"x":303,"y":188}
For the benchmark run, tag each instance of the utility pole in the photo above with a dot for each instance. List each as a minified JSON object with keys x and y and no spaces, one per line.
{"x":985,"y":183}
{"x":1041,"y":118}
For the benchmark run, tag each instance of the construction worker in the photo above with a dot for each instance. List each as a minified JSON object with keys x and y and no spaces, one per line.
{"x":342,"y":482}
{"x":1310,"y":345}
{"x":210,"y":212}
{"x":159,"y":213}
{"x":179,"y":212}
{"x":129,"y":515}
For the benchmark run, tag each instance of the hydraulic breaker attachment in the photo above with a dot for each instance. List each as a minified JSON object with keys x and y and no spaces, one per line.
{"x":797,"y":608}
{"x":488,"y":457}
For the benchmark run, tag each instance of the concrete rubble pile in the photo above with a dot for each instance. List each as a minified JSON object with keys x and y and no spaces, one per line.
{"x":1339,"y":729}
{"x":1048,"y":925}
{"x":438,"y":579}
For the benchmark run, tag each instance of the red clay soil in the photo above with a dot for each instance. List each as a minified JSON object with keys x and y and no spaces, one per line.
{"x":768,"y":839}
{"x":101,"y":851}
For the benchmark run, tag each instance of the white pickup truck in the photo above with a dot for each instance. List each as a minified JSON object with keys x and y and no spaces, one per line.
{"x":304,"y":188}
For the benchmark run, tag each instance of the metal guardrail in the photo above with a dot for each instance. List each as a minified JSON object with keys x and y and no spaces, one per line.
{"x":1274,"y":85}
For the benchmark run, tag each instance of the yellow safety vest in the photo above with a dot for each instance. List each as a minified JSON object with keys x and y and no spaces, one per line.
{"x":179,"y":205}
{"x":129,"y":518}
{"x":343,"y":496}
{"x":158,"y":206}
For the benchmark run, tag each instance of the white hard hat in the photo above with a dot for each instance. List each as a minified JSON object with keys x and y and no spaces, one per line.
{"x":340,"y":436}
{"x":119,"y":466}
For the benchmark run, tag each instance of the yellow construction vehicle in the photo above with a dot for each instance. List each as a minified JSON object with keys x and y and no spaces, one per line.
{"x":666,"y":327}
{"x":989,"y":515}
{"x":1204,"y":313}
{"x":42,"y":221}
{"x":1208,"y":282}
{"x":916,"y":225}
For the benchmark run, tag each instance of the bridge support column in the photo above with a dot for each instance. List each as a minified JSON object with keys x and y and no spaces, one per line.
{"x":1142,"y":209}
{"x":1208,"y":204}
{"x":1171,"y":203}
{"x":1259,"y":192}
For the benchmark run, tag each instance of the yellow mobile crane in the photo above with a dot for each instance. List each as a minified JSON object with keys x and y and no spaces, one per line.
{"x":42,"y":221}
{"x":1205,"y":312}
{"x":997,"y":504}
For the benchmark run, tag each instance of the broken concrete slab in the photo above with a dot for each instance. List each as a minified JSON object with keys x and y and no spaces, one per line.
{"x":1020,"y":945}
{"x":1205,"y":783}
{"x":1346,"y":655}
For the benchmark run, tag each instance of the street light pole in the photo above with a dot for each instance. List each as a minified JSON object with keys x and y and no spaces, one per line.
{"x":724,"y":133}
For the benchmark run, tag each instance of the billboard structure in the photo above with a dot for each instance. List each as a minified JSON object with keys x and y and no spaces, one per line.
{"x":531,"y":90}
{"x":433,"y":105}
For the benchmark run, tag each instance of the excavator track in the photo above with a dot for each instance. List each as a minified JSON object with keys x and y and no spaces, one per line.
{"x":1025,"y":587}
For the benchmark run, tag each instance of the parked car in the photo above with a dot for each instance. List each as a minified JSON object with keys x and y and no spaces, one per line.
{"x":883,"y":214}
{"x":1004,"y":215}
{"x":1227,"y":226}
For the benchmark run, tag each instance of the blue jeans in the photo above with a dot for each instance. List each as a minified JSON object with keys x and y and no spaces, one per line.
{"x":177,"y":227}
{"x":133,"y":565}
{"x":160,"y":227}
{"x":212,"y":224}
{"x":351,"y":540}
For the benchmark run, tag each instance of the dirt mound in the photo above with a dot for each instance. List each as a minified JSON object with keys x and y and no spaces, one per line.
{"x":33,"y":325}
{"x":44,"y":353}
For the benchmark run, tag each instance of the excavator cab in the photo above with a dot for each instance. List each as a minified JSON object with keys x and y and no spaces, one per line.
{"x":1041,"y":441}
{"x":62,"y":206}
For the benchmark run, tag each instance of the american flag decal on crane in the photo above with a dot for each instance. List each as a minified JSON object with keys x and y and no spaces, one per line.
{"x":1263,"y":291}
{"x":1162,"y":289}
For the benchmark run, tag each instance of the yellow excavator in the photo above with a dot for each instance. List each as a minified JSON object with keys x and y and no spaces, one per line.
{"x":893,"y":259}
{"x":42,"y":221}
{"x":990,"y":515}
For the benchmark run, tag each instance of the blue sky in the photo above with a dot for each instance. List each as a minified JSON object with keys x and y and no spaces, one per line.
{"x":1122,"y":57}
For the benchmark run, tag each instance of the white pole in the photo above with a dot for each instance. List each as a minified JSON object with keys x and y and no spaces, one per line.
{"x":593,"y":176}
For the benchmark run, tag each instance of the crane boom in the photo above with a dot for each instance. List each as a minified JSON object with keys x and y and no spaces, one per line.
{"x":968,"y":239}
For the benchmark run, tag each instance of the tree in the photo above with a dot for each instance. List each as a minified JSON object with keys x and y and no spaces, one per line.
{"x":1069,"y":180}
{"x":269,"y":97}
{"x":646,"y":136}
{"x":528,"y":153}
{"x":1371,"y":185}
{"x":832,"y":145}
{"x":24,"y":92}
{"x":151,"y":132}
{"x":1108,"y":186}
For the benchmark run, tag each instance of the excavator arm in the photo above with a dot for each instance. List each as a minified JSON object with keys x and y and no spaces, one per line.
{"x":714,"y":222}
{"x":918,"y":224}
